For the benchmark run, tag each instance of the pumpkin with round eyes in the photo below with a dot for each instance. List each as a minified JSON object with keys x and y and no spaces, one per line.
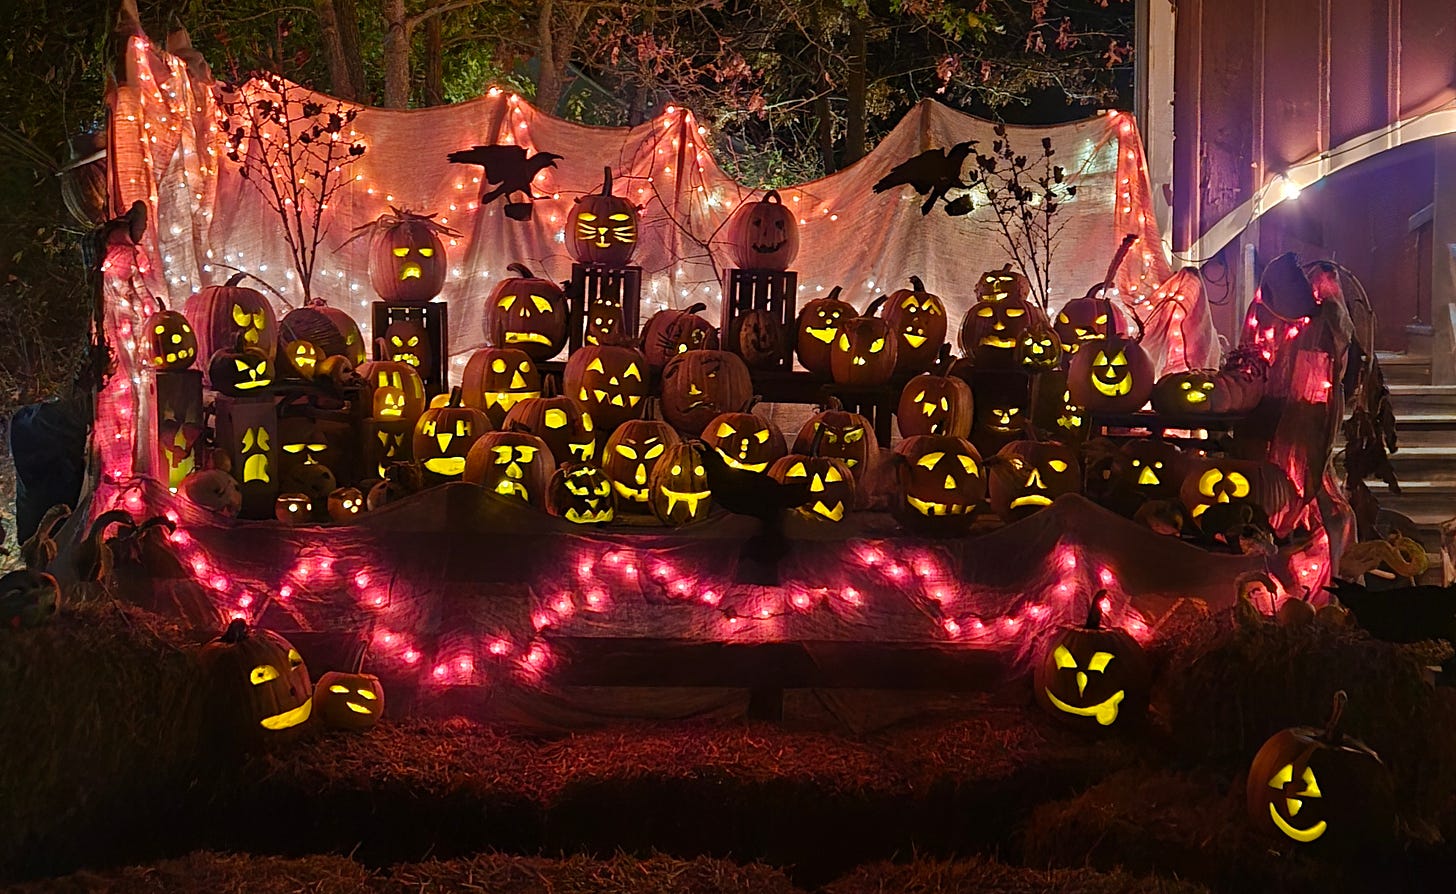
{"x":258,"y":686}
{"x":528,"y":313}
{"x":629,"y":458}
{"x":678,"y":491}
{"x":918,"y":320}
{"x":496,"y":379}
{"x":1083,"y":319}
{"x":312,"y":480}
{"x":759,"y":338}
{"x":818,"y":327}
{"x":864,"y":350}
{"x":345,"y":504}
{"x":444,"y":436}
{"x":1039,"y":350}
{"x":512,"y":463}
{"x":999,"y":285}
{"x":604,"y":322}
{"x":228,"y":316}
{"x":991,"y":331}
{"x":1111,"y":375}
{"x":936,"y":404}
{"x":169,"y":342}
{"x":610,"y":382}
{"x":582,"y":494}
{"x":1147,"y":469}
{"x":672,"y":332}
{"x":842,"y":435}
{"x":603,"y":227}
{"x":330,"y":330}
{"x":1025,"y":476}
{"x":406,"y":257}
{"x":745,"y":441}
{"x":1308,"y":785}
{"x":1055,"y":413}
{"x":293,"y":509}
{"x":1092,"y":677}
{"x":940,"y":485}
{"x":764,"y":235}
{"x":698,"y":385}
{"x":241,"y":373}
{"x":398,"y":392}
{"x":1210,"y":481}
{"x":831,"y":484}
{"x":348,"y":701}
{"x":407,"y":342}
{"x":566,"y":427}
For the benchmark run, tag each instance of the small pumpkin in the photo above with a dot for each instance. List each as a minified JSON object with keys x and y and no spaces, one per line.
{"x":672,"y":332}
{"x":313,"y":480}
{"x":940,"y":484}
{"x":345,"y":504}
{"x":398,"y":392}
{"x":528,"y":313}
{"x":603,"y":227}
{"x":348,"y":701}
{"x":293,"y":509}
{"x":512,"y":463}
{"x":918,"y":320}
{"x":1148,"y":470}
{"x":764,"y":235}
{"x":864,"y":350}
{"x":169,"y":340}
{"x":999,"y":285}
{"x":936,"y":403}
{"x":818,"y":327}
{"x":1002,"y":407}
{"x":299,"y":358}
{"x":610,"y":383}
{"x":1027,"y":476}
{"x":1054,"y":412}
{"x":745,"y":441}
{"x":408,"y":342}
{"x":1040,"y":349}
{"x":565,"y":426}
{"x":582,"y":494}
{"x":831,"y":483}
{"x":213,"y":490}
{"x":759,"y":338}
{"x":444,"y":435}
{"x":699,"y":385}
{"x":631,"y":456}
{"x":303,"y":440}
{"x":1091,"y":676}
{"x":407,"y":262}
{"x":229,"y":315}
{"x":679,"y":493}
{"x":258,"y":686}
{"x":842,"y":435}
{"x":241,"y":372}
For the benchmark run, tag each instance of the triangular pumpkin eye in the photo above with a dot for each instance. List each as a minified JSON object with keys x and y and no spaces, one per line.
{"x":797,"y":470}
{"x":633,"y":373}
{"x":843,"y":342}
{"x":726,"y":431}
{"x":929,"y":460}
{"x":833,"y":475}
{"x":596,"y":366}
{"x":541,"y":303}
{"x":507,"y":301}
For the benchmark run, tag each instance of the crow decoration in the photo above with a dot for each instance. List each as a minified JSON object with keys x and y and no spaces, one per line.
{"x":932,"y":173}
{"x":759,"y":496}
{"x":1404,"y":615}
{"x":510,"y":170}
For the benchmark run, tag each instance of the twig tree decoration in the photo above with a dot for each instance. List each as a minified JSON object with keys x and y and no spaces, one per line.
{"x":295,"y":152}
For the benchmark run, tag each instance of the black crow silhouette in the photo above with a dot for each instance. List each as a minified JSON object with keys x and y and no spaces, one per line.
{"x":1404,"y":615}
{"x":935,"y":173}
{"x":508,"y":168}
{"x":754,"y":494}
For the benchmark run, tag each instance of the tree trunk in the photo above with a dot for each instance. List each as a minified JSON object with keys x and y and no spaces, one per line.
{"x":339,"y":83}
{"x":396,"y":55}
{"x":825,"y":129}
{"x":548,"y":83}
{"x":854,"y":128}
{"x":434,"y":62}
{"x":347,"y":16}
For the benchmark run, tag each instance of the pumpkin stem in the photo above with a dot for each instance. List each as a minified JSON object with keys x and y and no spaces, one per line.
{"x":875,"y":305}
{"x":520,"y":270}
{"x":233,"y":280}
{"x":455,"y":398}
{"x":1333,"y":734}
{"x":1094,"y":611}
{"x":772,"y":196}
{"x":917,"y":283}
{"x":695,"y":308}
{"x":815,"y":441}
{"x":606,"y":180}
{"x":1117,"y":259}
{"x":236,"y":632}
{"x":831,"y":403}
{"x":161,"y":305}
{"x":943,"y":360}
{"x":549,"y":386}
{"x":834,"y":293}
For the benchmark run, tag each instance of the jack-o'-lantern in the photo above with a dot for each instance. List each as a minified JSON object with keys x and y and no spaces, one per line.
{"x":940,"y":485}
{"x":444,"y":436}
{"x":313,"y":480}
{"x":830,"y":482}
{"x":864,"y":350}
{"x":1040,"y":349}
{"x":293,"y":509}
{"x":999,"y":285}
{"x":496,"y":379}
{"x":348,"y":701}
{"x":406,"y":341}
{"x":566,"y":427}
{"x":759,"y":338}
{"x":582,"y":494}
{"x":1210,"y":481}
{"x":1027,"y":475}
{"x":745,"y":441}
{"x":332,"y":331}
{"x":528,"y":313}
{"x":345,"y":504}
{"x":604,"y":322}
{"x":387,"y":441}
{"x":672,"y":332}
{"x":818,"y":328}
{"x":609,"y":381}
{"x":169,"y":340}
{"x":918,"y":320}
{"x":1308,"y":785}
{"x":28,"y":598}
{"x":213,"y":490}
{"x":1093,"y":677}
{"x":407,"y":261}
{"x":512,"y":463}
{"x":842,"y":435}
{"x":1190,"y":393}
{"x":603,"y":227}
{"x":302,"y":440}
{"x":764,"y":235}
{"x":1002,"y":406}
{"x":935,"y":404}
{"x":400,"y":480}
{"x":240,"y":373}
{"x":991,"y":331}
{"x":398,"y":391}
{"x":1148,"y":470}
{"x":229,"y":315}
{"x":1111,"y":375}
{"x":678,"y":492}
{"x":300,"y":358}
{"x":698,"y":385}
{"x":258,"y":686}
{"x":1087,"y":318}
{"x":1054,"y":411}
{"x":631,"y":456}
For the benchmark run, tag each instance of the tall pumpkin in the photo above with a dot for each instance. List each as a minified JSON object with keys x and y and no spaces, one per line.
{"x":407,"y":262}
{"x":678,"y":491}
{"x":671,"y":332}
{"x":936,"y":403}
{"x":818,"y":327}
{"x":603,"y":227}
{"x":917,"y":318}
{"x":864,"y":350}
{"x":170,"y":343}
{"x":526,"y":312}
{"x":764,"y":235}
{"x":698,"y":385}
{"x":228,"y":315}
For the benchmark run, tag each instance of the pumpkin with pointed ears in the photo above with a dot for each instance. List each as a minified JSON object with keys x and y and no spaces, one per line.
{"x":918,"y":320}
{"x":631,"y":456}
{"x":444,"y":436}
{"x":818,"y":328}
{"x":228,"y":316}
{"x":831,"y":483}
{"x":936,"y":403}
{"x":496,"y":379}
{"x":345,"y":504}
{"x":939,"y":484}
{"x":566,"y":427}
{"x":258,"y":689}
{"x":603,"y":227}
{"x":348,"y":701}
{"x":672,"y":332}
{"x":528,"y":313}
{"x":842,"y":435}
{"x":331,"y":331}
{"x":1085,"y":319}
{"x":759,"y":338}
{"x":407,"y":262}
{"x":678,"y":491}
{"x":764,"y":235}
{"x":1027,"y":476}
{"x":397,"y":391}
{"x":241,"y":372}
{"x":582,"y":494}
{"x":513,"y":463}
{"x":168,"y":340}
{"x":745,"y":441}
{"x":864,"y":350}
{"x":999,"y":285}
{"x":1092,"y":677}
{"x":698,"y":385}
{"x":609,"y":381}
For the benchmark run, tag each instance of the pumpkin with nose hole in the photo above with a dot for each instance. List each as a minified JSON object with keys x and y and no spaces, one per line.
{"x":1210,"y":481}
{"x":444,"y":436}
{"x":830,"y":481}
{"x":672,"y":332}
{"x":630,"y":457}
{"x":299,"y":358}
{"x":1147,"y":469}
{"x":406,"y":341}
{"x":936,"y":404}
{"x":1040,"y":349}
{"x":818,"y":328}
{"x":842,"y":435}
{"x":407,"y":261}
{"x":764,"y":235}
{"x":999,"y":285}
{"x":940,"y":485}
{"x":864,"y":350}
{"x":610,"y":382}
{"x":1085,"y":319}
{"x":1198,"y":392}
{"x":1111,"y":375}
{"x":678,"y":493}
{"x":1027,"y":476}
{"x":348,"y":701}
{"x":512,"y":463}
{"x":168,"y":338}
{"x":1093,"y":677}
{"x":698,"y":385}
{"x":1002,"y":406}
{"x":496,"y":379}
{"x":230,"y":315}
{"x":1320,"y":788}
{"x":566,"y":427}
{"x":397,"y":391}
{"x":582,"y":494}
{"x":1055,"y":413}
{"x":258,"y":689}
{"x":991,"y":331}
{"x":745,"y":441}
{"x":303,"y":442}
{"x":528,"y":313}
{"x":918,"y":320}
{"x":603,"y":227}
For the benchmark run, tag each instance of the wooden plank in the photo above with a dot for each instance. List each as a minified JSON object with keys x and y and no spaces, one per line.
{"x":1357,"y":50}
{"x":1292,"y":63}
{"x":1427,"y":62}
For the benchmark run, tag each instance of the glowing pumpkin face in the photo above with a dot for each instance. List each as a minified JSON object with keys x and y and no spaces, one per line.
{"x":1093,"y":677}
{"x":240,"y":373}
{"x":1040,"y":349}
{"x":1002,"y":408}
{"x":1028,"y":475}
{"x":1209,"y":482}
{"x":1151,"y":469}
{"x":918,"y":320}
{"x":864,"y":352}
{"x":398,"y":391}
{"x":940,"y":484}
{"x":386,"y":442}
{"x":842,"y":435}
{"x":445,"y":434}
{"x":170,"y":341}
{"x":254,"y":465}
{"x":610,"y":383}
{"x":935,"y":405}
{"x":764,"y":235}
{"x":581,"y":494}
{"x":227,"y":316}
{"x":407,"y":259}
{"x":1055,"y":412}
{"x":672,"y":332}
{"x":345,"y":504}
{"x":407,"y":342}
{"x":604,"y":322}
{"x":991,"y":331}
{"x":818,"y":327}
{"x":830,"y":482}
{"x":745,"y":441}
{"x":699,"y":385}
{"x":561,"y":422}
{"x":1111,"y":375}
{"x":514,"y":464}
{"x":303,"y":441}
{"x":348,"y":701}
{"x":1085,"y":319}
{"x":293,"y":509}
{"x":679,"y":492}
{"x":631,"y":456}
{"x":1003,"y":284}
{"x":528,"y":313}
{"x":603,"y":228}
{"x":1191,"y":393}
{"x":260,"y":689}
{"x":302,"y":358}
{"x":496,"y":379}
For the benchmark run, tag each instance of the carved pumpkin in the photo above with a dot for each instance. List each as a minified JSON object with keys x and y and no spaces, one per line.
{"x":331,"y":331}
{"x":831,"y":484}
{"x":1093,"y":677}
{"x":496,"y":379}
{"x":1309,"y":785}
{"x":699,"y":385}
{"x":300,"y":358}
{"x":1147,"y":470}
{"x":293,"y":509}
{"x":918,"y":320}
{"x":764,"y":235}
{"x":1040,"y":350}
{"x":528,"y":313}
{"x":940,"y":485}
{"x":406,"y":257}
{"x":605,"y":324}
{"x":348,"y":701}
{"x":999,"y":285}
{"x":609,"y":381}
{"x":603,"y":227}
{"x":345,"y":504}
{"x":353,"y":348}
{"x":746,"y":441}
{"x":258,"y":686}
{"x":444,"y":436}
{"x":759,"y":338}
{"x":1198,"y":392}
{"x":565,"y":426}
{"x":864,"y":351}
{"x":169,"y":340}
{"x":312,"y":480}
{"x":991,"y":331}
{"x":672,"y":332}
{"x":818,"y":327}
{"x":400,"y":480}
{"x":241,"y":372}
{"x":512,"y":463}
{"x":679,"y":492}
{"x":935,"y":404}
{"x":1087,"y":318}
{"x":407,"y":342}
{"x":213,"y":490}
{"x":1055,"y":413}
{"x":398,"y":391}
{"x":842,"y":435}
{"x":1213,"y":480}
{"x":631,"y":456}
{"x":581,"y":494}
{"x":228,"y":315}
{"x":1002,"y":406}
{"x":1111,"y":375}
{"x":1027,"y":475}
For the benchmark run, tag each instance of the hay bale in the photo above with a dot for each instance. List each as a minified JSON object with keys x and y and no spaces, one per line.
{"x":986,"y":876}
{"x":218,"y":874}
{"x":621,"y":874}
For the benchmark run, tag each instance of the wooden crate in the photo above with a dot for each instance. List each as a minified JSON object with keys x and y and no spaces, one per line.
{"x":435,"y":317}
{"x":603,"y":302}
{"x":769,"y":290}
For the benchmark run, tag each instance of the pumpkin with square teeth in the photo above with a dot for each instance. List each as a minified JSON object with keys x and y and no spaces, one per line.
{"x":229,"y":315}
{"x":940,"y":485}
{"x":864,"y":350}
{"x":672,"y":332}
{"x":1026,"y":476}
{"x":582,"y":494}
{"x":526,"y":312}
{"x":831,"y":483}
{"x":444,"y":436}
{"x":818,"y":328}
{"x":630,"y":457}
{"x":936,"y":403}
{"x":512,"y":463}
{"x":407,"y":342}
{"x":406,"y":256}
{"x":609,"y":381}
{"x":564,"y":424}
{"x":678,"y":493}
{"x":764,"y":235}
{"x":999,"y":285}
{"x":496,"y":379}
{"x":698,"y":385}
{"x":241,"y":372}
{"x":348,"y":701}
{"x":168,"y":338}
{"x":397,"y":391}
{"x":603,"y":227}
{"x":258,"y":689}
{"x":918,"y":320}
{"x":745,"y":441}
{"x":1092,"y":677}
{"x":843,"y":435}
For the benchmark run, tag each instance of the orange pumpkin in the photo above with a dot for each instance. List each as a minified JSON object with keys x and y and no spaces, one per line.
{"x":764,"y":235}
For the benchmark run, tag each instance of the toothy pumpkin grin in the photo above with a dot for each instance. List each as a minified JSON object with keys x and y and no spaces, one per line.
{"x":588,"y":517}
{"x":925,"y":507}
{"x":635,"y":494}
{"x":689,"y":500}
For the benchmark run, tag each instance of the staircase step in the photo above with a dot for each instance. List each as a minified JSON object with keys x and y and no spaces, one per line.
{"x":1419,"y":399}
{"x":1425,"y":461}
{"x":1405,"y":369}
{"x":1425,"y":502}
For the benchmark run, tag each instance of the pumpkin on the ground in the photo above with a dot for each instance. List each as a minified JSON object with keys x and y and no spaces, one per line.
{"x":348,"y":701}
{"x":1092,"y":676}
{"x":258,"y":689}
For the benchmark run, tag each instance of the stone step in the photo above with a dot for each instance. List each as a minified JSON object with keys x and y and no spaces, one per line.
{"x":1425,"y":502}
{"x":1430,"y":462}
{"x":1405,"y":369}
{"x":1415,"y":400}
{"x":1426,"y":430}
